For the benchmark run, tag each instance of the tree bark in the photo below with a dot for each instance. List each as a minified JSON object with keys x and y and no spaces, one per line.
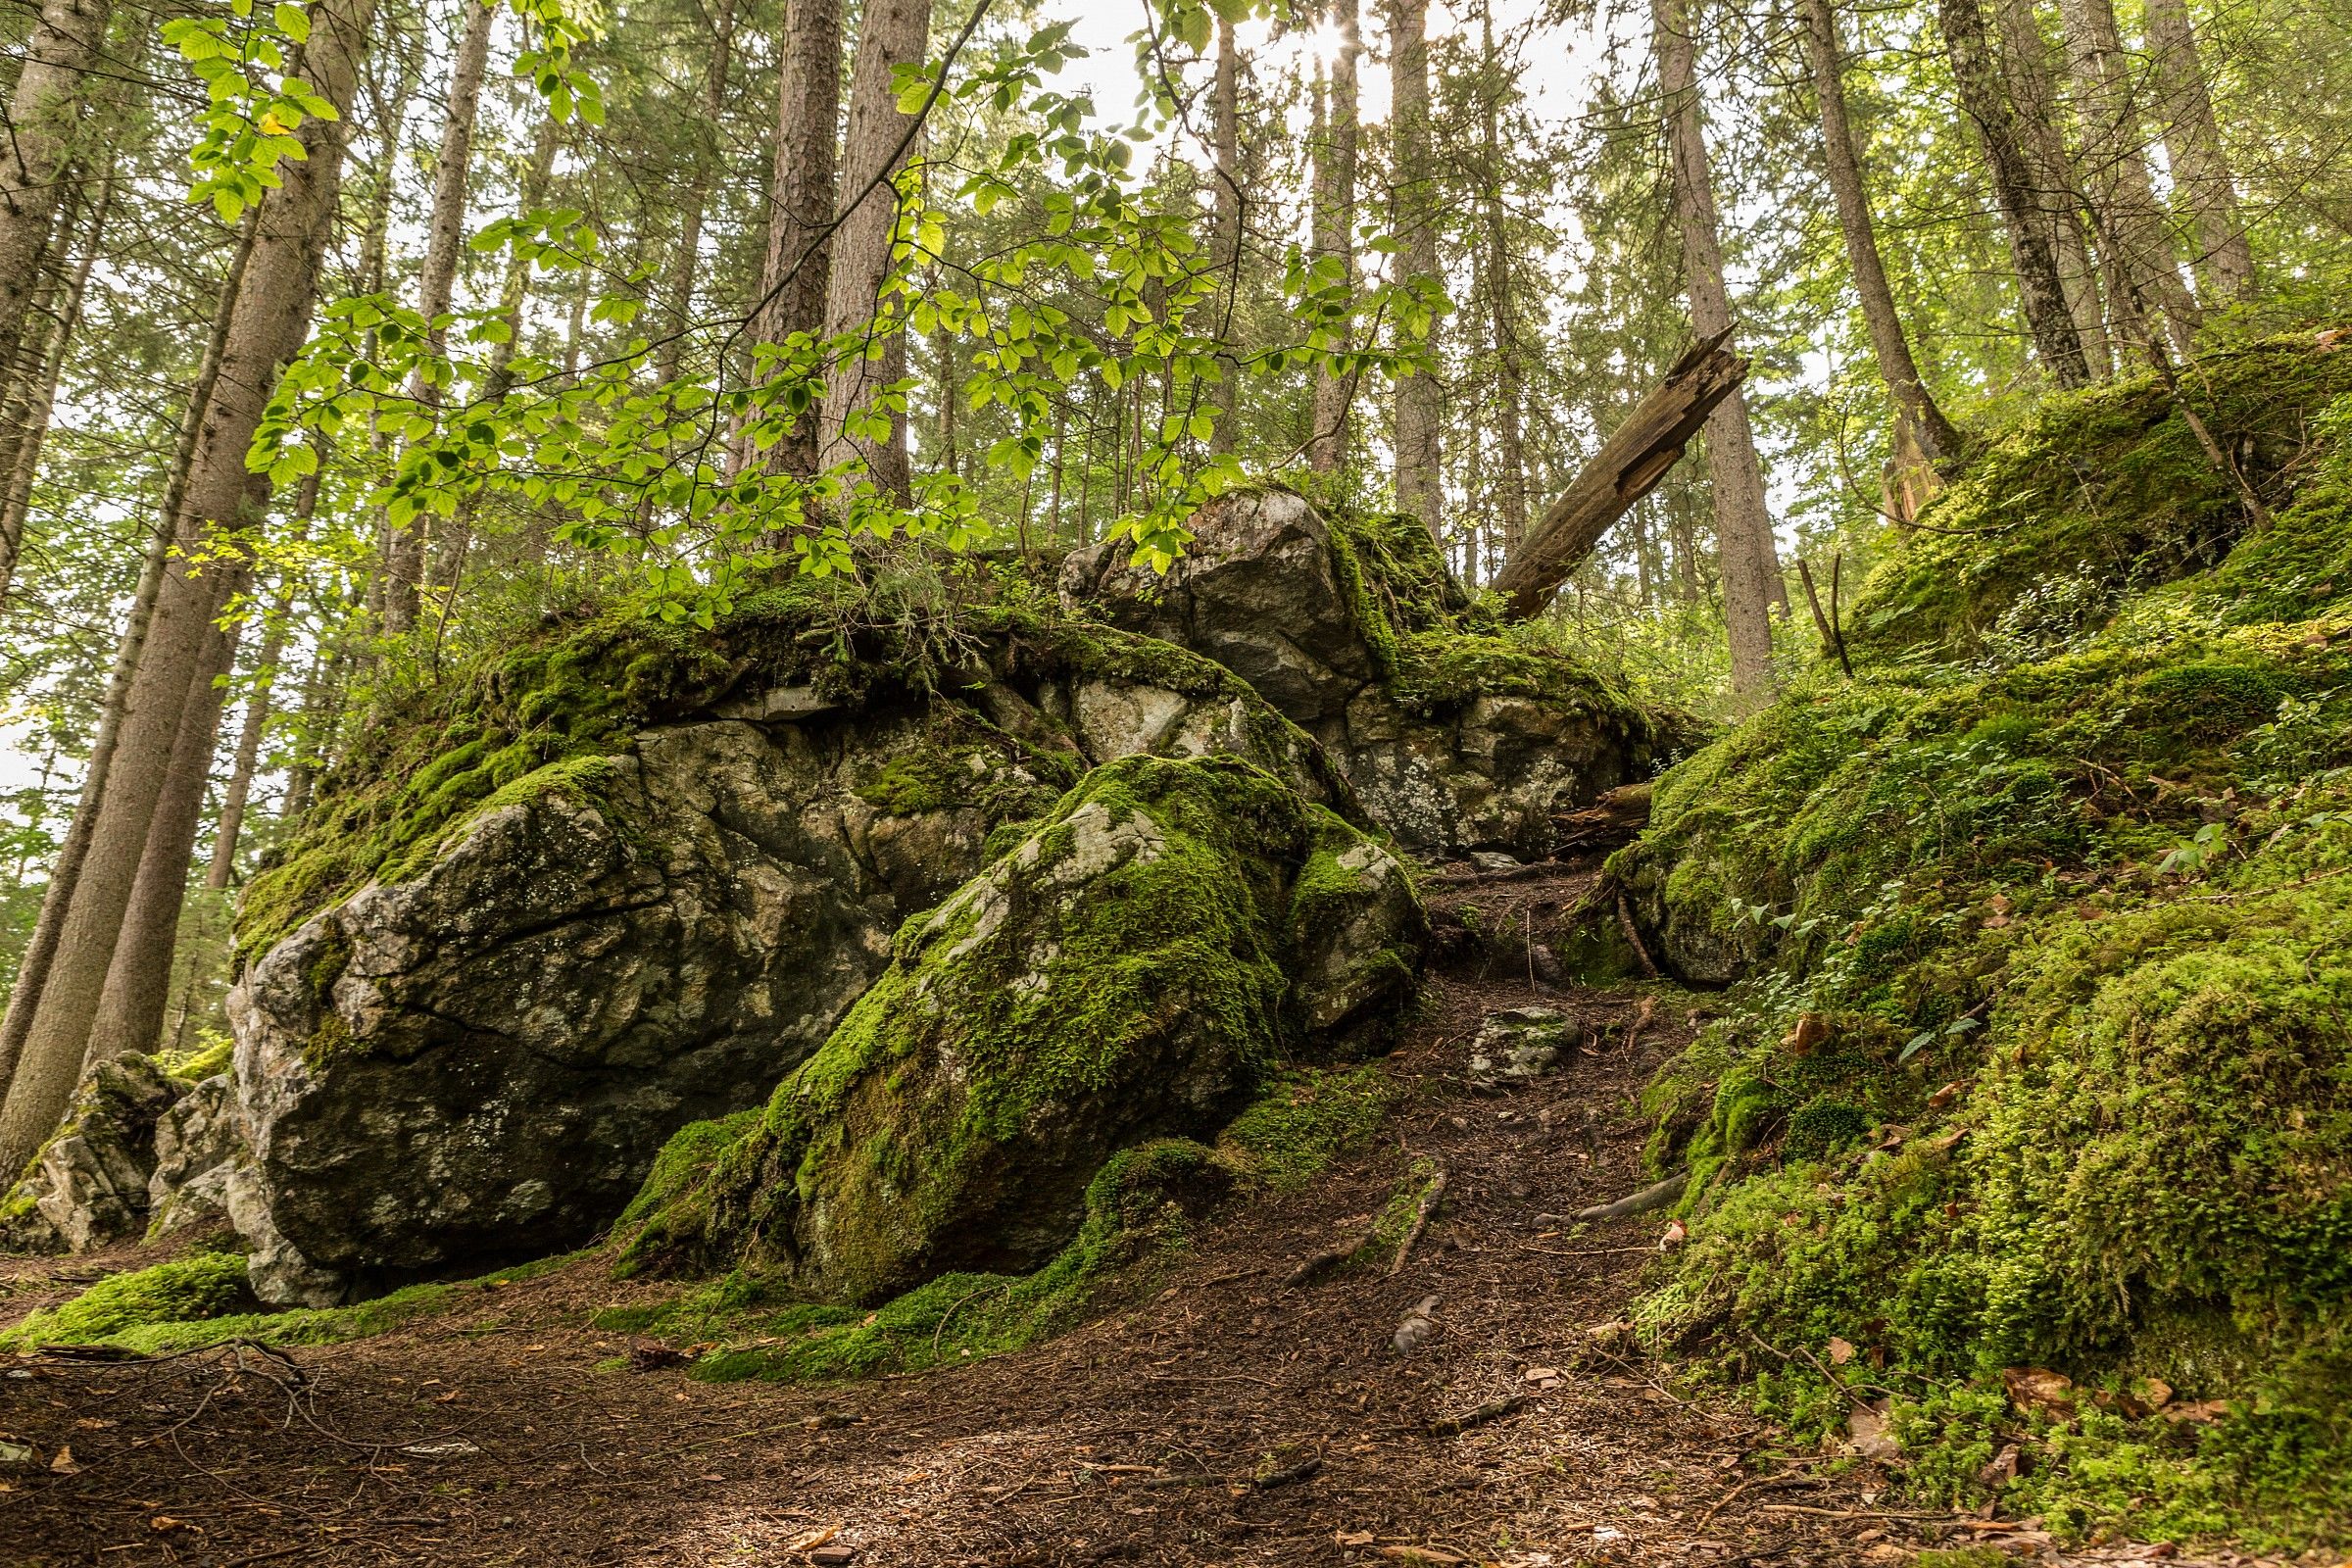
{"x":256,"y":722}
{"x":2024,"y":62}
{"x":801,"y":194}
{"x":1743,"y":527}
{"x":27,"y":425}
{"x":2041,"y":290}
{"x":2139,"y":248}
{"x":138,"y":978}
{"x":2192,"y":136}
{"x":1420,"y":402}
{"x":1227,"y":248}
{"x":1510,"y":454}
{"x":893,"y":33}
{"x":267,"y":321}
{"x":1627,"y":467}
{"x":44,"y":112}
{"x":1334,"y":231}
{"x":437,"y":278}
{"x":1914,"y":404}
{"x":678,"y":301}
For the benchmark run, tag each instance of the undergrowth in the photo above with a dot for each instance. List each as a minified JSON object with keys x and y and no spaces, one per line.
{"x":2040,"y":1050}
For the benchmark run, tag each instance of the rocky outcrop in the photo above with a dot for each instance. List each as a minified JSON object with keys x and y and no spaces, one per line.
{"x":1131,"y":969}
{"x":479,"y":1057}
{"x":1454,"y":735}
{"x":88,"y":1185}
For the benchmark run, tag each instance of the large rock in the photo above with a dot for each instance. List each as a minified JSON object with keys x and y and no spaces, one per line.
{"x":1131,"y":969}
{"x":1454,"y":735}
{"x":89,"y":1183}
{"x":479,"y":1057}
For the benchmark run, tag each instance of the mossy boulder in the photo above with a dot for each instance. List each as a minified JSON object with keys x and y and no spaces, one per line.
{"x":88,"y":1182}
{"x":1134,"y":968}
{"x":494,"y":1016}
{"x":1455,"y":732}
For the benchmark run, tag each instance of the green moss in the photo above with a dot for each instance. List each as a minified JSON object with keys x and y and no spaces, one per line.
{"x":1304,"y":1120}
{"x":204,"y":1306}
{"x":1027,"y":997}
{"x":211,"y":1055}
{"x":207,"y":1285}
{"x":2072,"y":928}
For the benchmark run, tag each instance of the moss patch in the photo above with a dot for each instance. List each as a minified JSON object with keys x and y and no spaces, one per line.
{"x":2041,"y":1049}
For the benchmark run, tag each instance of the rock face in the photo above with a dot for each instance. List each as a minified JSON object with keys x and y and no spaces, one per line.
{"x":88,"y":1185}
{"x":1456,"y":738}
{"x":481,"y":1058}
{"x":1129,"y":969}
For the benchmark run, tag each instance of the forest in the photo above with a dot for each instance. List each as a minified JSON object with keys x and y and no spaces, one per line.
{"x":1514,"y":782}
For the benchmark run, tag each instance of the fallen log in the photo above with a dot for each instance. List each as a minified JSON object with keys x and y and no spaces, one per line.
{"x":1627,"y":467}
{"x":1640,"y":1202}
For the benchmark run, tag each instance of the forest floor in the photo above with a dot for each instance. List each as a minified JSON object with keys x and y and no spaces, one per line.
{"x":1217,"y":1417}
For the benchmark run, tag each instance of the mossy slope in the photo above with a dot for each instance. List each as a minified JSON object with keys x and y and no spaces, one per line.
{"x":2041,"y":1051}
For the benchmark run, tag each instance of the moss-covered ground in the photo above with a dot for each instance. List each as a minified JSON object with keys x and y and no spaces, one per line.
{"x":2041,"y":1054}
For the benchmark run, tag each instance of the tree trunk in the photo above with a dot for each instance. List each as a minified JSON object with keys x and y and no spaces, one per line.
{"x":27,"y":425}
{"x":2041,"y":290}
{"x":65,"y":872}
{"x":2139,"y":252}
{"x":437,"y":278}
{"x":678,"y":304}
{"x":2193,"y":138}
{"x":251,"y":729}
{"x":1334,"y":231}
{"x":1510,"y":455}
{"x":2025,"y":61}
{"x":138,"y":979}
{"x":801,"y":194}
{"x":874,"y":148}
{"x":267,"y":322}
{"x":1227,"y":248}
{"x":1743,"y":527}
{"x":1914,"y":404}
{"x":43,"y":113}
{"x":1646,"y":443}
{"x":1420,"y":402}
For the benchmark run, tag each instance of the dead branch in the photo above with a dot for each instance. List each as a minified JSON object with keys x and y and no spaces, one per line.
{"x":1430,"y":1198}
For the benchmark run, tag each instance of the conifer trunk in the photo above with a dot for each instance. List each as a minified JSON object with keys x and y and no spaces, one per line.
{"x":256,"y":721}
{"x":1333,"y":230}
{"x":678,"y":302}
{"x":1420,"y":401}
{"x":1735,"y":474}
{"x":2139,"y":243}
{"x":1510,"y":454}
{"x":874,"y":148}
{"x":1892,"y":346}
{"x":1227,"y":180}
{"x":437,"y":278}
{"x":25,"y":425}
{"x":2025,"y":64}
{"x":802,"y":193}
{"x":68,"y":38}
{"x":2041,"y":292}
{"x":267,"y":319}
{"x":2192,"y":137}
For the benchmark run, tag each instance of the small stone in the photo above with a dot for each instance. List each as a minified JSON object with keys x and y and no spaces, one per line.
{"x":835,"y":1556}
{"x":1494,"y":861}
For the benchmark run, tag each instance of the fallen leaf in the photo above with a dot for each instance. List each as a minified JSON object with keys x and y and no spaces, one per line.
{"x":2154,"y":1393}
{"x":1949,"y":1093}
{"x":1351,"y":1538}
{"x":63,"y":1465}
{"x":1840,"y":1351}
{"x":813,"y":1538}
{"x":1893,"y":1134}
{"x":1675,"y":1234}
{"x":1866,"y":1432}
{"x":2001,"y":1471}
{"x":164,"y":1521}
{"x":2200,"y":1411}
{"x":1541,"y":1374}
{"x":2038,"y":1391}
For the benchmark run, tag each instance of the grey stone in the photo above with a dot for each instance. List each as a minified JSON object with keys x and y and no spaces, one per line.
{"x":89,"y":1183}
{"x":1523,"y":1043}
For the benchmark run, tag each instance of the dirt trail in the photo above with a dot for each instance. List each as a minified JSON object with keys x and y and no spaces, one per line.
{"x":1226,"y":1420}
